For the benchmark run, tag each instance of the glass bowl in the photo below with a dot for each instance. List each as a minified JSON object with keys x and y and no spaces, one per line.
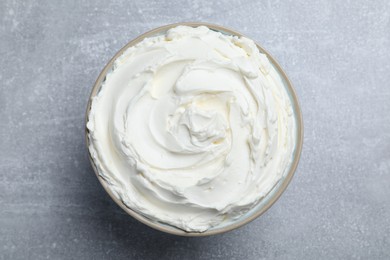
{"x":263,"y":204}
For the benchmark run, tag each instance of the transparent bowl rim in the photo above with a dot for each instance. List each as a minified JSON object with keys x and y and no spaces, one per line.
{"x":236,"y":224}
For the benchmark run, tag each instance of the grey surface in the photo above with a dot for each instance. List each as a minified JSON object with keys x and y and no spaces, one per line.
{"x":336,"y":54}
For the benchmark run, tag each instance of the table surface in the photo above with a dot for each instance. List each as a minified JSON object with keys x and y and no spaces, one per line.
{"x":337,"y":56}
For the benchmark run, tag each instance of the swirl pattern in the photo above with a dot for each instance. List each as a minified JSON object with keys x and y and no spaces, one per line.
{"x":192,"y":128}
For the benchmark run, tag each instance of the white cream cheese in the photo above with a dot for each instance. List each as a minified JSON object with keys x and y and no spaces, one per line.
{"x":192,"y":128}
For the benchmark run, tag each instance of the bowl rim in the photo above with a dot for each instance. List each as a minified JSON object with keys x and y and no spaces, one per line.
{"x":285,"y":181}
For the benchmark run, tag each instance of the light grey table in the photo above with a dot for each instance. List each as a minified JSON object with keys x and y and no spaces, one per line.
{"x":337,"y":54}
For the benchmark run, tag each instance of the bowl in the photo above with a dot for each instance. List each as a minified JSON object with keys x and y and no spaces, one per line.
{"x":266,"y":202}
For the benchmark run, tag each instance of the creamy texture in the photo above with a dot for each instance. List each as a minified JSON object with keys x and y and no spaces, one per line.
{"x":192,"y":128}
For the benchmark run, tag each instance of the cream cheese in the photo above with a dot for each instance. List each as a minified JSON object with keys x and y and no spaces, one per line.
{"x":192,"y":128}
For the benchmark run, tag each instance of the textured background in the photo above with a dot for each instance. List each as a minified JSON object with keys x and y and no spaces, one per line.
{"x":337,"y":54}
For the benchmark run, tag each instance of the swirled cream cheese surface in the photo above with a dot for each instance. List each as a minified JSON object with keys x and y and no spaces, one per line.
{"x":192,"y":128}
